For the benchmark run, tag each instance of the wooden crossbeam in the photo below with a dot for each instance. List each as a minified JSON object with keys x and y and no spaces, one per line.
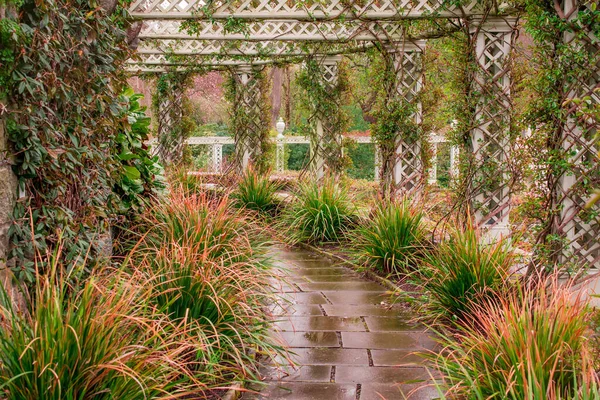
{"x":300,"y":11}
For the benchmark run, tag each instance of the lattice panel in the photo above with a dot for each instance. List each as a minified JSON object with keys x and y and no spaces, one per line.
{"x":578,"y":225}
{"x":251,"y":125}
{"x":282,"y":9}
{"x":403,"y":168}
{"x":240,"y":48}
{"x":217,"y":157}
{"x":274,"y":30}
{"x":326,"y":144}
{"x":490,"y":183}
{"x":170,"y":138}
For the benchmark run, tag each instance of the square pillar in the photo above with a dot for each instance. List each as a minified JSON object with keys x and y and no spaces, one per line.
{"x":326,"y":119}
{"x":578,"y":224}
{"x":250,"y":116}
{"x":490,"y":192}
{"x":403,"y":171}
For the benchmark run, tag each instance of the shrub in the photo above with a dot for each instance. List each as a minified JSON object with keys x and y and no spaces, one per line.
{"x":256,"y":192}
{"x":530,"y":345}
{"x":392,"y":241}
{"x":464,"y":271}
{"x":82,"y":344}
{"x":321,"y":213}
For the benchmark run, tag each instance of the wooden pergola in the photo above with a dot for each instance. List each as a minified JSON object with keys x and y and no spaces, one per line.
{"x":244,"y":36}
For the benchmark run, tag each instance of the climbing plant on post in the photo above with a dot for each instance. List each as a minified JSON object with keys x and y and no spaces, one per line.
{"x":168,"y":103}
{"x":487,"y":175}
{"x":398,"y":115}
{"x":565,"y":87}
{"x":250,"y":116}
{"x":324,"y":85}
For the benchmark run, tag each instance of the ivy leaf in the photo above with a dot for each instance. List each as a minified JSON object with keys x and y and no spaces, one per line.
{"x":132,"y":172}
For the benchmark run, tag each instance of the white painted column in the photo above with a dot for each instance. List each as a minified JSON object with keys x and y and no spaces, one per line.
{"x":280,"y":155}
{"x":217,"y":157}
{"x":433,"y":169}
{"x":490,"y":137}
{"x":408,"y":173}
{"x":454,"y":160}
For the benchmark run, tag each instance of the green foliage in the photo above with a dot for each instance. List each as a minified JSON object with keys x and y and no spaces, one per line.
{"x":143,"y":175}
{"x":298,"y":156}
{"x":10,"y":34}
{"x":92,"y":343}
{"x":531,"y":344}
{"x":64,"y":114}
{"x":206,"y":273}
{"x":321,"y":213}
{"x":363,"y":161}
{"x":324,"y":103}
{"x":464,"y":272}
{"x":256,"y":192}
{"x":392,"y":241}
{"x":251,"y":123}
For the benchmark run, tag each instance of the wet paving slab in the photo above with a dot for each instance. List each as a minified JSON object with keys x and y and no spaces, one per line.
{"x":345,"y":338}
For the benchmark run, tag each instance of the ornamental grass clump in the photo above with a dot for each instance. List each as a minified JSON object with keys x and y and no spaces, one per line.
{"x":97,"y":342}
{"x":530,"y":344}
{"x":256,"y":192}
{"x":208,"y":278}
{"x":462,"y":272}
{"x":207,"y":224}
{"x":392,"y":241}
{"x":321,"y":213}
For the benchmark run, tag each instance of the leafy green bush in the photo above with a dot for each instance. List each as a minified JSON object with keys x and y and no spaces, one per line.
{"x":142,"y":176}
{"x":322,"y":212}
{"x":392,"y":240}
{"x":256,"y":192}
{"x":530,"y":344}
{"x":463,"y":272}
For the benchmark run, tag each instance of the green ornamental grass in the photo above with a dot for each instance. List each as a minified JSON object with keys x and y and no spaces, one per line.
{"x":92,"y":343}
{"x":322,"y":212}
{"x":392,"y":240}
{"x":530,"y":344}
{"x":256,"y":192}
{"x":208,"y":277}
{"x":464,"y":271}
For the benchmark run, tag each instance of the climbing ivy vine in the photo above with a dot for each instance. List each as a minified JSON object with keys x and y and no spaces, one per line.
{"x":250,"y":116}
{"x":324,"y":101}
{"x":62,"y":77}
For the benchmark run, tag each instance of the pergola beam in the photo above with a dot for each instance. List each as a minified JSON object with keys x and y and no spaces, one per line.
{"x":254,"y":49}
{"x":269,"y":30}
{"x":285,"y":10}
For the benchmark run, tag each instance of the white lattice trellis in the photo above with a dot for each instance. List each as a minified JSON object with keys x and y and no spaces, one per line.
{"x":580,"y":227}
{"x":408,"y":172}
{"x":490,"y":183}
{"x":268,"y":9}
{"x":251,"y":124}
{"x":267,"y":30}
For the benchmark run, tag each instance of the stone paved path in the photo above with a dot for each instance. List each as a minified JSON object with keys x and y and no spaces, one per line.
{"x":345,"y":340}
